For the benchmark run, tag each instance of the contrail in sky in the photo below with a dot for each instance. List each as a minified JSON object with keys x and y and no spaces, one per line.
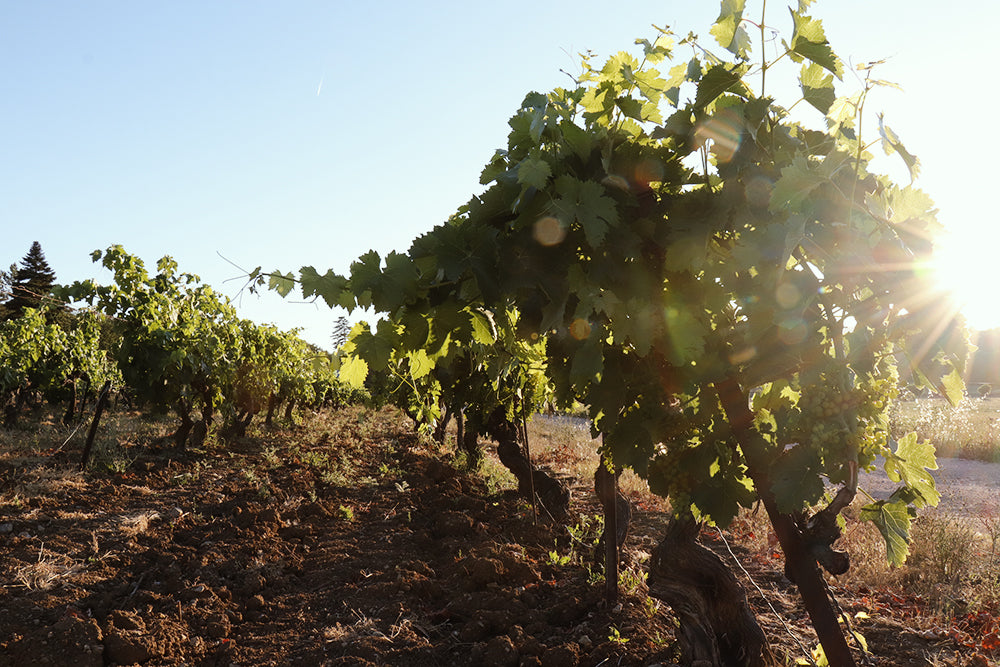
{"x":320,"y":86}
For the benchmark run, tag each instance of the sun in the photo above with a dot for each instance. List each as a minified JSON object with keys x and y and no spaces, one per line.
{"x":964,"y":264}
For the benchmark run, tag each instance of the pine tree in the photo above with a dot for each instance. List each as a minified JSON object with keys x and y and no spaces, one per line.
{"x":340,"y":332}
{"x":30,"y":282}
{"x":6,"y":278}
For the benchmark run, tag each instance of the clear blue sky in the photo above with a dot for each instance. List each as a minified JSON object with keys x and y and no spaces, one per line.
{"x":299,"y":133}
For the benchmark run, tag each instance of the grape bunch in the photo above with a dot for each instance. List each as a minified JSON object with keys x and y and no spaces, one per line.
{"x":670,"y":476}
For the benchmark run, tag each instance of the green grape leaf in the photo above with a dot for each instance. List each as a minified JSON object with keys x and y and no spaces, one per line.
{"x":672,"y":88}
{"x":534,"y":171}
{"x":650,"y":85}
{"x":686,"y":336}
{"x":598,"y":100}
{"x":817,"y":87}
{"x":728,"y":29}
{"x":892,"y":518}
{"x":353,"y":371}
{"x":482,"y":328}
{"x":795,"y":478}
{"x":495,"y":169}
{"x":579,"y":140}
{"x":630,"y":106}
{"x":420,"y":364}
{"x":809,"y":41}
{"x":366,"y":273}
{"x":952,"y":386}
{"x":715,"y":82}
{"x":585,"y":201}
{"x":281,"y":283}
{"x":329,"y":286}
{"x":722,"y":496}
{"x":891,"y":144}
{"x":910,"y":464}
{"x":398,"y":285}
{"x":588,"y":362}
{"x":795,"y":185}
{"x":658,"y":50}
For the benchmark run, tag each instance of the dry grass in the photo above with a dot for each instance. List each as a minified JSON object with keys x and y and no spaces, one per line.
{"x":565,"y":443}
{"x":49,"y":571}
{"x":970,"y":430}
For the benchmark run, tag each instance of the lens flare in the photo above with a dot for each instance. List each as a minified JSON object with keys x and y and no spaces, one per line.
{"x":579,"y":329}
{"x":548,"y":231}
{"x":725,"y":132}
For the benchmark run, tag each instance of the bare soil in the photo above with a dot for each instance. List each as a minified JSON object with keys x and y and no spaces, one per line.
{"x":350,"y":541}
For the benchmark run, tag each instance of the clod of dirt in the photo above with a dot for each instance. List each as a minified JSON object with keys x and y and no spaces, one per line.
{"x":564,"y":655}
{"x":484,"y":571}
{"x":218,"y":625}
{"x":500,"y":652}
{"x":124,"y":620}
{"x":452,"y":524}
{"x":126,"y":641}
{"x":74,"y":640}
{"x":314,"y":510}
{"x":437,"y":471}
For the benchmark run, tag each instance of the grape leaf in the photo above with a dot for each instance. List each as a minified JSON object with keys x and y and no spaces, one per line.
{"x":281,"y":283}
{"x":817,"y":87}
{"x":534,"y":171}
{"x":795,"y":478}
{"x":891,"y":144}
{"x":353,"y":371}
{"x":728,"y":29}
{"x":809,"y":41}
{"x":482,"y":328}
{"x":892,"y":518}
{"x":331,"y":287}
{"x":579,"y":140}
{"x":795,"y":185}
{"x":716,"y":81}
{"x":588,"y":362}
{"x":910,"y":464}
{"x":585,"y":201}
{"x":420,"y":364}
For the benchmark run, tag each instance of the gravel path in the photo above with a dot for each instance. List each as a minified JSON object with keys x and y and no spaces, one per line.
{"x":968,"y":488}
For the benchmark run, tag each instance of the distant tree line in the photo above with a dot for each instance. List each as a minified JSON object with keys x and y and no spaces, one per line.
{"x":984,"y":367}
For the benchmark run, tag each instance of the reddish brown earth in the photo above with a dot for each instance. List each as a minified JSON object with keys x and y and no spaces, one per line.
{"x":348,"y":542}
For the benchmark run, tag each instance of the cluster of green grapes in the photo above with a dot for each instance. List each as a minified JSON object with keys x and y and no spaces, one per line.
{"x":670,"y":477}
{"x":842,"y":415}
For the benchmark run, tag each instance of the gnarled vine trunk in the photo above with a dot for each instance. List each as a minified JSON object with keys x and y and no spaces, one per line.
{"x":717,"y":628}
{"x":553,"y":494}
{"x":180,"y":436}
{"x":800,"y":558}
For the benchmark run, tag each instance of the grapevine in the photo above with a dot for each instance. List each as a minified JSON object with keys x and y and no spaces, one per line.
{"x":727,"y":289}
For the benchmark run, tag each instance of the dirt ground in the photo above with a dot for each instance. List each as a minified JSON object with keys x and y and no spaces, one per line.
{"x":352,"y":542}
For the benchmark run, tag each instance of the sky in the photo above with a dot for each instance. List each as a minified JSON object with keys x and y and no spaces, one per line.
{"x":231,"y":135}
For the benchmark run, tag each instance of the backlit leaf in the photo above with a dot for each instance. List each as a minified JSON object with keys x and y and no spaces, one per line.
{"x":482,"y":328}
{"x":420,"y":364}
{"x":892,"y":520}
{"x":891,"y":144}
{"x":809,"y":41}
{"x":910,"y":464}
{"x":281,"y":283}
{"x":817,"y":87}
{"x":795,"y":185}
{"x":353,"y":371}
{"x":728,"y":29}
{"x":716,"y":81}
